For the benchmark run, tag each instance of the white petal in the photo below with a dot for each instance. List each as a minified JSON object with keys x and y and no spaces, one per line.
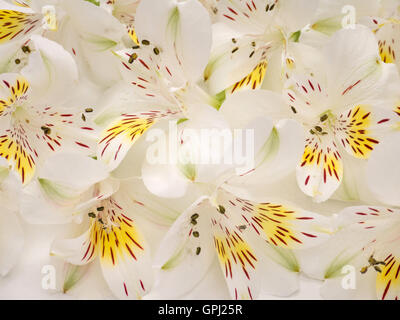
{"x":179,"y":267}
{"x":195,"y":30}
{"x":51,"y":70}
{"x":295,"y":14}
{"x":278,"y":281}
{"x":162,"y":211}
{"x":38,"y":205}
{"x":92,"y":20}
{"x":75,"y":251}
{"x":164,"y":180}
{"x":73,"y":170}
{"x":181,"y":27}
{"x":277,"y":157}
{"x":353,"y":66}
{"x":244,"y":106}
{"x":383,"y":172}
{"x":333,"y":289}
{"x":205,"y":138}
{"x":11,"y":240}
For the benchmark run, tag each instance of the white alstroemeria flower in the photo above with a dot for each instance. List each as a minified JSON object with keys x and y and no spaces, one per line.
{"x":345,"y":104}
{"x":111,"y":219}
{"x":252,"y":240}
{"x":382,"y":17}
{"x":21,"y":19}
{"x":362,"y":260}
{"x":11,"y":233}
{"x":249,"y":35}
{"x":82,"y":28}
{"x":36,"y":116}
{"x":160,"y":76}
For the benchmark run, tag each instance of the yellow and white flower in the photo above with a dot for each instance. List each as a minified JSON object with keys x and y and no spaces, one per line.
{"x":110,"y":220}
{"x":160,"y":75}
{"x":346,"y":106}
{"x":252,"y":240}
{"x":365,"y":248}
{"x":37,"y":119}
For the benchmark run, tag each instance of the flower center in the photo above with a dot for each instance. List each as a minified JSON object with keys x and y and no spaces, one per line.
{"x":323,"y":125}
{"x":372,"y":262}
{"x":104,"y":217}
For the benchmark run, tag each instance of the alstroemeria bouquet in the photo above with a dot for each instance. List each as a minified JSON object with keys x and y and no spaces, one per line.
{"x":169,"y":149}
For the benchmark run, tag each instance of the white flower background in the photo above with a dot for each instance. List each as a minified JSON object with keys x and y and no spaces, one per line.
{"x":84,"y":214}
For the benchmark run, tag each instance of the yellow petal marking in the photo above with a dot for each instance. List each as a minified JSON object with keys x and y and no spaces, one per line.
{"x":253,"y":80}
{"x":121,"y":242}
{"x":16,"y":24}
{"x":114,"y":237}
{"x":130,"y":127}
{"x":132,"y":34}
{"x":18,"y":93}
{"x":357,"y":138}
{"x":386,"y":51}
{"x":276,"y":222}
{"x":397,"y":109}
{"x":389,"y":278}
{"x":234,"y":252}
{"x":329,"y":158}
{"x":16,"y":154}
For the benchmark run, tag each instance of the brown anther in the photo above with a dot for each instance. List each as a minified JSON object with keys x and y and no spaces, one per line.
{"x":133,"y":57}
{"x":26,"y":49}
{"x":364,"y":270}
{"x":46,"y":130}
{"x":377,"y":269}
{"x":323,"y":118}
